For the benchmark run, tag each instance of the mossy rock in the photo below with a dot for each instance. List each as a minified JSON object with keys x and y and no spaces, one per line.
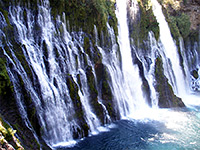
{"x":97,"y":108}
{"x":167,"y":98}
{"x":73,"y":90}
{"x":106,"y":93}
{"x":84,"y":14}
{"x":79,"y":113}
{"x":144,"y":23}
{"x":195,"y":74}
{"x":5,"y":84}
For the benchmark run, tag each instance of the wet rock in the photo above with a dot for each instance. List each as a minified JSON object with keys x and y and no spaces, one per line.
{"x":167,"y":98}
{"x":195,"y":74}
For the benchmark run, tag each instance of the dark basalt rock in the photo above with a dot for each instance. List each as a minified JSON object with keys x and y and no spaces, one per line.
{"x":167,"y":98}
{"x":106,"y":93}
{"x":194,"y":73}
{"x":73,"y":88}
{"x":145,"y":84}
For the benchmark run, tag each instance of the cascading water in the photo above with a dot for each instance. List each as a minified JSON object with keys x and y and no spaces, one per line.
{"x":169,"y":53}
{"x":132,"y":83}
{"x":51,"y":105}
{"x":54,"y":57}
{"x":171,"y":60}
{"x":148,"y":60}
{"x":54,"y":104}
{"x":60,"y":66}
{"x":191,"y":64}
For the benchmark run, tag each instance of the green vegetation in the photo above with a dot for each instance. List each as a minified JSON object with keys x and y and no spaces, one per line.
{"x":179,"y":25}
{"x":178,"y":20}
{"x":9,"y":135}
{"x":4,"y":79}
{"x":147,"y":21}
{"x":183,"y":23}
{"x":166,"y":97}
{"x":84,"y":14}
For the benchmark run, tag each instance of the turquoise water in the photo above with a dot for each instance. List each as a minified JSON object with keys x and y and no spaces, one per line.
{"x":161,"y":129}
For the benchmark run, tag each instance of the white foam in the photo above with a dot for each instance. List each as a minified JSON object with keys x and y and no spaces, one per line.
{"x":66,"y":144}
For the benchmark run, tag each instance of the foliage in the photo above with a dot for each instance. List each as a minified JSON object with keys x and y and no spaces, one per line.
{"x":84,"y":14}
{"x":9,"y":134}
{"x":148,"y":21}
{"x":179,"y":25}
{"x":178,"y":20}
{"x":173,"y":27}
{"x":183,"y":23}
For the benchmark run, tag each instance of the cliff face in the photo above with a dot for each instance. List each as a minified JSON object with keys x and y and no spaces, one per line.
{"x":189,"y":7}
{"x":66,"y":40}
{"x":192,"y":8}
{"x":183,"y":17}
{"x":8,"y":141}
{"x":18,"y":106}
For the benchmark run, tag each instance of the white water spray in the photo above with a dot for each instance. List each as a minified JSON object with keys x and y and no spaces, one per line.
{"x":171,"y":60}
{"x":131,"y":80}
{"x":55,"y":105}
{"x":169,"y":53}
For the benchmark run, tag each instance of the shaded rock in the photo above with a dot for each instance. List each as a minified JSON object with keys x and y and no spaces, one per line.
{"x":145,"y":84}
{"x":103,"y":79}
{"x":194,"y":73}
{"x":167,"y":98}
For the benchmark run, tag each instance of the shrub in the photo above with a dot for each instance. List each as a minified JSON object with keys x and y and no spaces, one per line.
{"x":183,"y":23}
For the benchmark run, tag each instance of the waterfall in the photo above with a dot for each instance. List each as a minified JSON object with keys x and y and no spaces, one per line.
{"x":171,"y":61}
{"x":54,"y":57}
{"x":131,"y":81}
{"x":191,"y":64}
{"x":169,"y":53}
{"x":58,"y":70}
{"x":148,"y":60}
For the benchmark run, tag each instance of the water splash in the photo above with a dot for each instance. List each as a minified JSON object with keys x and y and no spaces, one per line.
{"x":131,"y":80}
{"x":53,"y":103}
{"x":171,"y":61}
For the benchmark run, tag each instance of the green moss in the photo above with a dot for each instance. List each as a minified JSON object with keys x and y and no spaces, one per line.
{"x":183,"y":23}
{"x":146,"y":23}
{"x":97,"y":108}
{"x":91,"y":81}
{"x":9,"y":134}
{"x":173,"y":27}
{"x":195,"y":74}
{"x":84,"y":14}
{"x":4,"y":79}
{"x":5,"y":14}
{"x":85,"y":128}
{"x":166,"y":98}
{"x":73,"y":89}
{"x":20,"y":55}
{"x":86,"y":46}
{"x":79,"y":114}
{"x":8,"y":29}
{"x":179,"y":25}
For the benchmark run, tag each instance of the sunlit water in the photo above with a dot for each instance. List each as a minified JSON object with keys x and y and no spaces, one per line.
{"x":161,"y":129}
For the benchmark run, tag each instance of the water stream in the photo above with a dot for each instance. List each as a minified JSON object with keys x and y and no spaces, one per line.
{"x":59,"y":65}
{"x":149,"y":128}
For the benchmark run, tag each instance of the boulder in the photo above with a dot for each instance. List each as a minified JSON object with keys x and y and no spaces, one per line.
{"x":167,"y":98}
